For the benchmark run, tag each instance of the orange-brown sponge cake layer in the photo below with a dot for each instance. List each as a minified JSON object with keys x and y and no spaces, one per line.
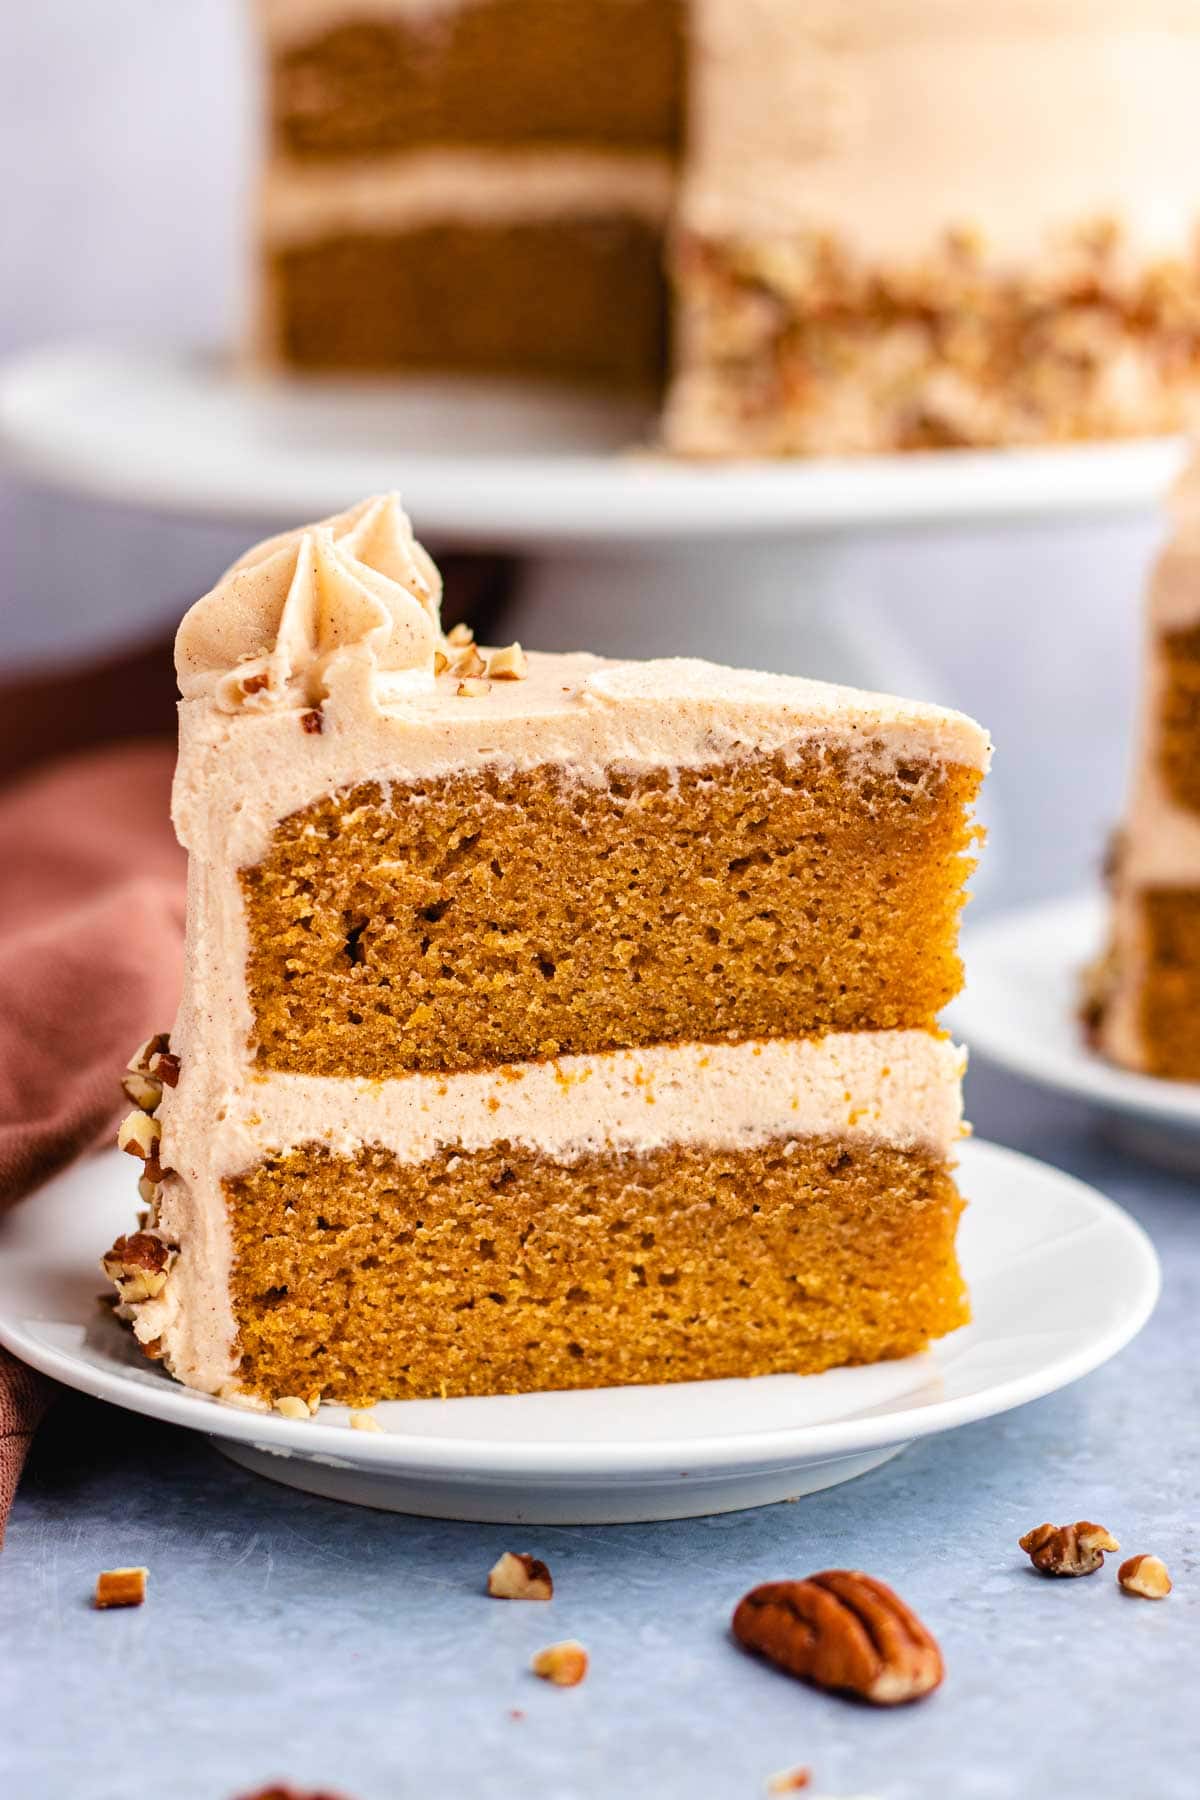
{"x":501,"y":1271}
{"x":505,"y":916}
{"x":536,"y":297}
{"x":508,"y":72}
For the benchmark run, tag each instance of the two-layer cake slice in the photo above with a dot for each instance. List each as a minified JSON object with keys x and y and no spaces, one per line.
{"x":549,"y":1022}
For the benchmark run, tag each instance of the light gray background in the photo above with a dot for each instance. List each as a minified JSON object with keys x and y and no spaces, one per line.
{"x":288,"y":1636}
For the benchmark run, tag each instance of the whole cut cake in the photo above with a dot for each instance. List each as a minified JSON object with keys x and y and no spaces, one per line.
{"x":548,"y":1022}
{"x":812,"y":226}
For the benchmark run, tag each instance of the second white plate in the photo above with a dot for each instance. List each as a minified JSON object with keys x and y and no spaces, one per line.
{"x":1042,"y":1318}
{"x":1020,"y":1008}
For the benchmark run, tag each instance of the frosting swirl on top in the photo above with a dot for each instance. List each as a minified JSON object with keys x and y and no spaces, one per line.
{"x":315,"y":613}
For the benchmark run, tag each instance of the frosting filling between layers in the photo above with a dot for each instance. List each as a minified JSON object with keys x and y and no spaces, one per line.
{"x":376,"y":194}
{"x":895,"y":1088}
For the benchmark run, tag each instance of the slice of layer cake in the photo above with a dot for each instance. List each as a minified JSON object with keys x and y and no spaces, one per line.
{"x":1143,"y":1001}
{"x":884,"y":225}
{"x":549,"y":1022}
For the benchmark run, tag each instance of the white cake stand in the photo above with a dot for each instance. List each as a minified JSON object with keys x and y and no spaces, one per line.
{"x":634,"y":554}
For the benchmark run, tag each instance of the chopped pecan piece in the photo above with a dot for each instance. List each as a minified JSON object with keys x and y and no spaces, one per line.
{"x":789,"y":1781}
{"x":143,"y":1090}
{"x":153,"y":1046}
{"x":139,"y":1134}
{"x":165,"y":1068}
{"x":519,"y":1576}
{"x":842,"y":1630}
{"x":313,"y":721}
{"x":1068,"y":1549}
{"x":142,"y":1081}
{"x":564,"y":1664}
{"x":1145,"y":1576}
{"x":120,"y":1587}
{"x":293,"y":1406}
{"x":509,"y":664}
{"x":138,"y":1266}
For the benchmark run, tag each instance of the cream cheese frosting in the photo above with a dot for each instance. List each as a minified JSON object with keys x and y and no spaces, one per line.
{"x":243,"y":769}
{"x":302,"y":201}
{"x":887,"y":122}
{"x":353,"y":596}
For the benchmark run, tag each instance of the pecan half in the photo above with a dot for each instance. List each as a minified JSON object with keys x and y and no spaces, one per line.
{"x":842,"y":1630}
{"x":1068,"y":1549}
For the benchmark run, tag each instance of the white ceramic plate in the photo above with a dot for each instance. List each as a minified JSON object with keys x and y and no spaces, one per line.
{"x":184,"y":432}
{"x":1020,"y":1007}
{"x":1042,"y":1319}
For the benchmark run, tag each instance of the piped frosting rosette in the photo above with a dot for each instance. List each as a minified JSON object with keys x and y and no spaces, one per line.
{"x":325,"y":613}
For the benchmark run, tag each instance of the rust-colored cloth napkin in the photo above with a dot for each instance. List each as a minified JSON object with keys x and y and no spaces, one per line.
{"x":91,"y":940}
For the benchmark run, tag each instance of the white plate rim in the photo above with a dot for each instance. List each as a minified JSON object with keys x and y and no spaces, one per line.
{"x":47,"y":431}
{"x":500,"y":1460}
{"x":1064,"y":1062}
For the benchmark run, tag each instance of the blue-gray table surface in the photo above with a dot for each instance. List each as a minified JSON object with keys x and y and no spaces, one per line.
{"x":292,"y":1637}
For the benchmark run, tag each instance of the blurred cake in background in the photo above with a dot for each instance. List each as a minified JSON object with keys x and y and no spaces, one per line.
{"x":474,"y":185}
{"x":816,"y":226}
{"x":1143,"y":1003}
